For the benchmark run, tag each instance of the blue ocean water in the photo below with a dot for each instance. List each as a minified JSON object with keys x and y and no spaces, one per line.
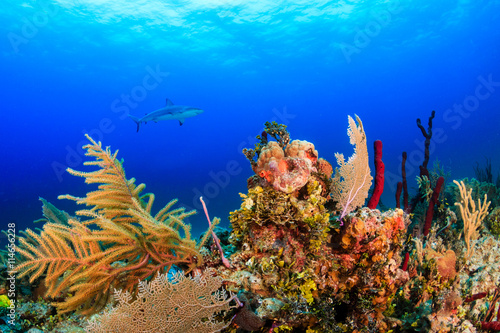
{"x":75,"y":67}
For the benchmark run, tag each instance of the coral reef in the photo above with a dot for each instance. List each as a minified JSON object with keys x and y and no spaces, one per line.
{"x":302,"y":255}
{"x":357,"y":268}
{"x":295,"y":264}
{"x":38,"y":316}
{"x":282,"y":239}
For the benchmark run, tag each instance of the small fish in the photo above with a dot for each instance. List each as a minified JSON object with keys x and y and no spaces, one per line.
{"x":169,"y":112}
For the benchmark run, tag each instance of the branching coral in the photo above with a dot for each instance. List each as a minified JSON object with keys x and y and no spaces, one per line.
{"x":119,"y":244}
{"x":472,"y":218}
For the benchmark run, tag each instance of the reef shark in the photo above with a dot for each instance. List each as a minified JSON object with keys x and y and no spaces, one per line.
{"x":169,"y":112}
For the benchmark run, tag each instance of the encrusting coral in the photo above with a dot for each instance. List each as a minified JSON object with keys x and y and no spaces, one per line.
{"x":369,"y":261}
{"x":287,"y":170}
{"x":119,"y":244}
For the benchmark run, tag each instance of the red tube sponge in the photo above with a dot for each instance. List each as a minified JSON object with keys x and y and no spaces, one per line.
{"x":490,"y":325}
{"x":405,"y":263}
{"x":432,"y":203}
{"x":379,"y":176}
{"x":475,"y":297}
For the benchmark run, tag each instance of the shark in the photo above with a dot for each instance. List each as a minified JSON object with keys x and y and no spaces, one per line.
{"x":168,"y":112}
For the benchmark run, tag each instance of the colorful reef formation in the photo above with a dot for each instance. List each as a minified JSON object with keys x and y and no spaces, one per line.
{"x":303,"y":254}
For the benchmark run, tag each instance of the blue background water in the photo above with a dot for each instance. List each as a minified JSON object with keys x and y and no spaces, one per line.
{"x":68,"y":66}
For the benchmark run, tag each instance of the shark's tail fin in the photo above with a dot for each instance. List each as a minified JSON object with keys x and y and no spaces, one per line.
{"x":137,"y":121}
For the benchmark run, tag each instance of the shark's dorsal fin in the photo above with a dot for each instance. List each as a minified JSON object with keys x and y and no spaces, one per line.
{"x":181,"y":121}
{"x":169,"y":102}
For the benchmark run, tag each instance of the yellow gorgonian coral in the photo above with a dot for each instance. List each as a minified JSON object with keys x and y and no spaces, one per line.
{"x":119,"y":243}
